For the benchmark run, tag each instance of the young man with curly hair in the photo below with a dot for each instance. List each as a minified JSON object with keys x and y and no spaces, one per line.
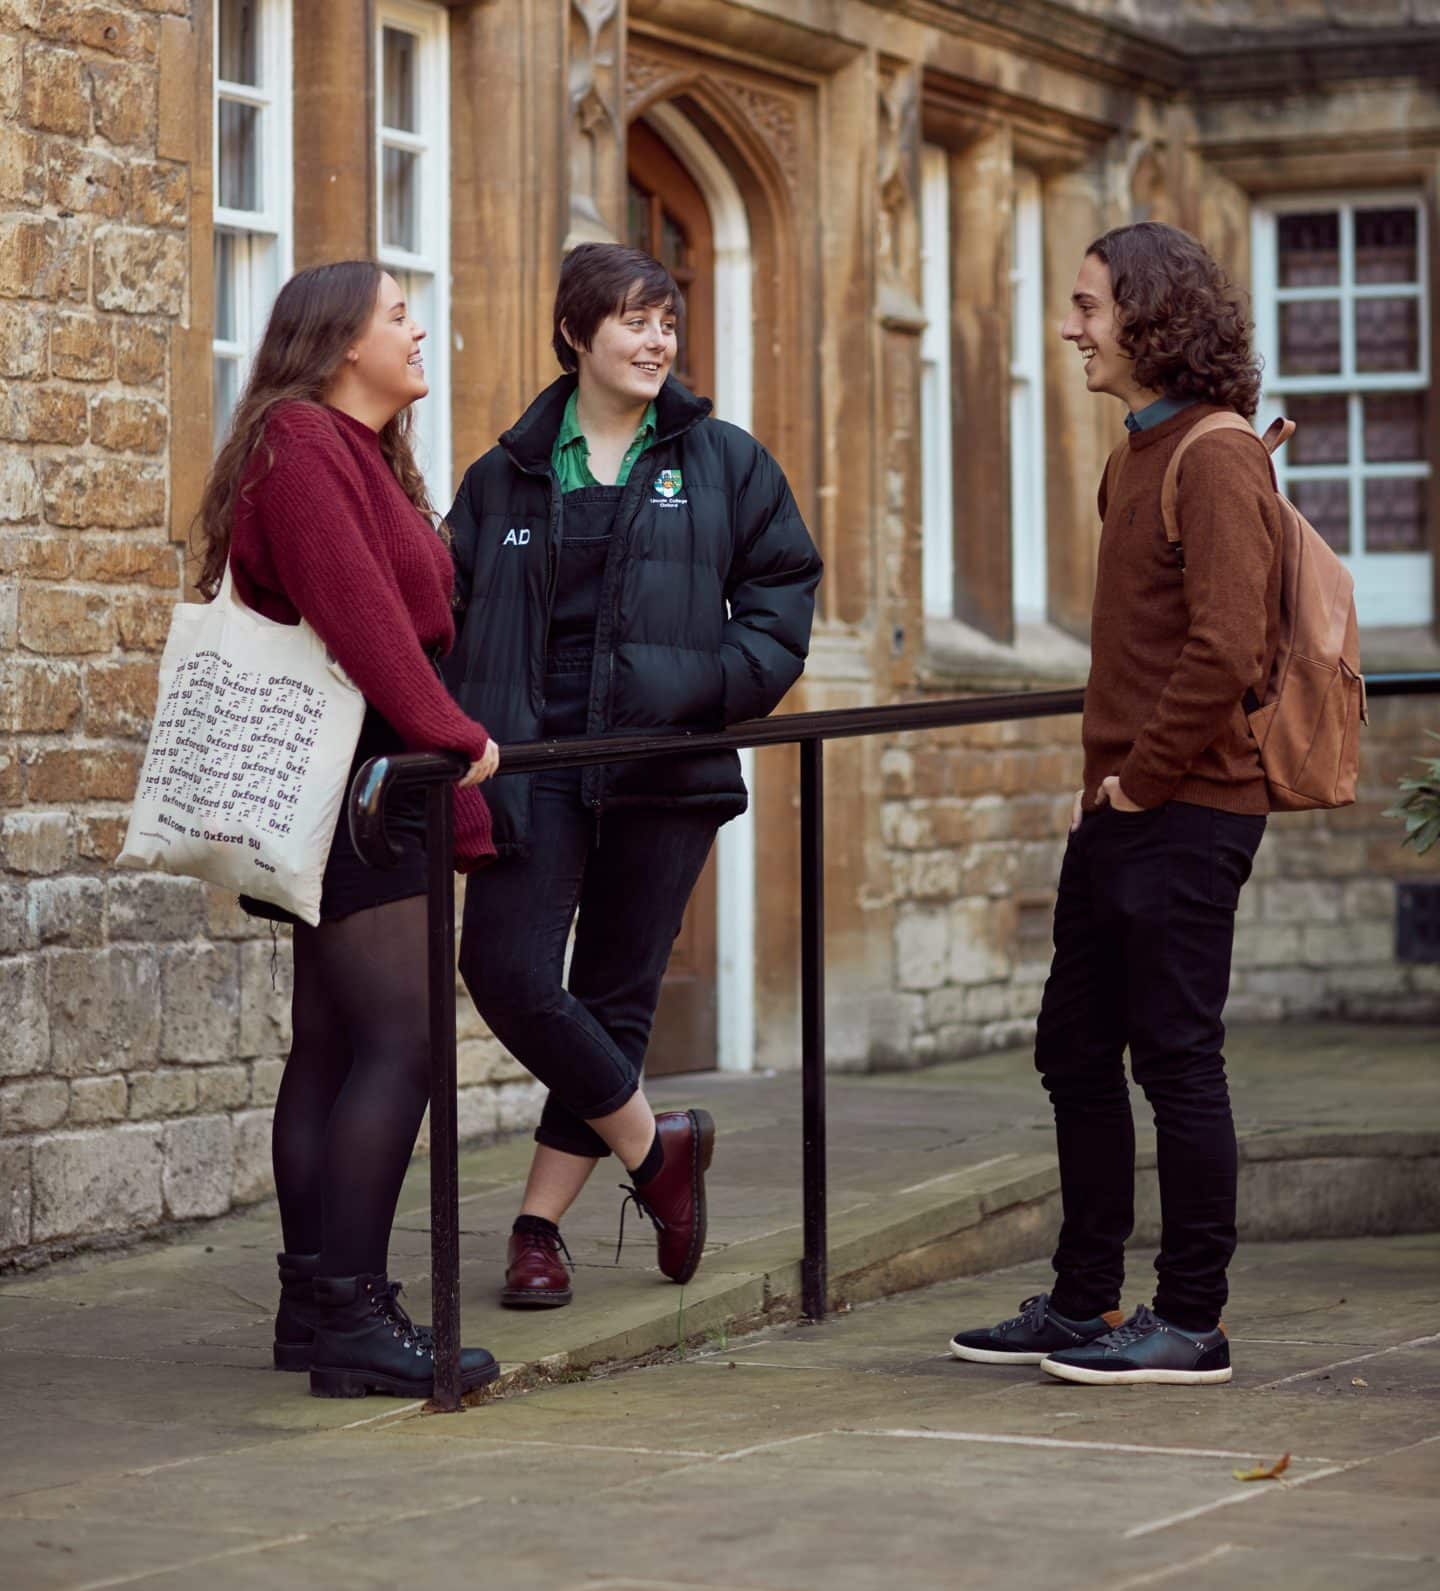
{"x":1163,"y":835}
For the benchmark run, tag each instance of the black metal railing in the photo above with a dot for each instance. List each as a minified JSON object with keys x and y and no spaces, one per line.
{"x":437,"y":771}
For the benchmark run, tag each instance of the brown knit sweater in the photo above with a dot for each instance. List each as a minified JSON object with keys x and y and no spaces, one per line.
{"x":1172,"y":654}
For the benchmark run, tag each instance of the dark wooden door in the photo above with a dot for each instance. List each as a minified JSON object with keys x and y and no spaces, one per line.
{"x":668,"y":218}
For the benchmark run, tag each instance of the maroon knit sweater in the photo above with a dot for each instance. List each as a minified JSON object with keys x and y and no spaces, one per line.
{"x":327,"y":532}
{"x":1172,"y":653}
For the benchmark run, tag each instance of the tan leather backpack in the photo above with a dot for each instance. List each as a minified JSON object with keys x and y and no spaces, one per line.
{"x":1307,"y":719}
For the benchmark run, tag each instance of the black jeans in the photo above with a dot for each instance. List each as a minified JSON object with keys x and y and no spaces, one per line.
{"x":630,"y":876}
{"x":1144,"y":929}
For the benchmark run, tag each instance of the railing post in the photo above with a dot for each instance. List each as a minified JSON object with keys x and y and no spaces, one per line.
{"x":814,"y":1285}
{"x":444,"y":1146}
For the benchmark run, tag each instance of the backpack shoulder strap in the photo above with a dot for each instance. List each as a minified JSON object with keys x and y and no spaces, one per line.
{"x":1228,"y":421}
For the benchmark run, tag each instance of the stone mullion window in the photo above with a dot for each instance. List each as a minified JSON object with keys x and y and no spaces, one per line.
{"x":253,"y":184}
{"x":1342,"y":323}
{"x":412,"y":163}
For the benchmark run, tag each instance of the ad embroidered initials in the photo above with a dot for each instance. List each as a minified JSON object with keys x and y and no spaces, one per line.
{"x":516,"y":538}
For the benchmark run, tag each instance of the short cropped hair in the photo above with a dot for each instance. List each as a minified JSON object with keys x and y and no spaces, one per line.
{"x":1179,"y":317}
{"x":600,"y":279}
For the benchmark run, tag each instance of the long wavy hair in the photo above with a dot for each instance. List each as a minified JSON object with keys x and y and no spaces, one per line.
{"x":1179,"y":317}
{"x":318,"y":314}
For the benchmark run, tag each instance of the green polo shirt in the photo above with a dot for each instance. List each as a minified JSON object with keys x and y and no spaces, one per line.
{"x":571,"y":453}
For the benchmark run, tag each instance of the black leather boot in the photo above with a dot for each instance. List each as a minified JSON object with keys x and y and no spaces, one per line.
{"x":295,"y":1319}
{"x":365,"y":1342}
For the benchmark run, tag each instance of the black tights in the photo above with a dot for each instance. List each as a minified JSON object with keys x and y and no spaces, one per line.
{"x":355,"y":1086}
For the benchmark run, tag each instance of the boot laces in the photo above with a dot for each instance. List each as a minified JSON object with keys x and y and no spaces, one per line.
{"x":634,"y":1196}
{"x":386,"y":1304}
{"x":555,"y":1243}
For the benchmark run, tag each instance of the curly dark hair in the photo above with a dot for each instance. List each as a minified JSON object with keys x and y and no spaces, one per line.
{"x":1179,"y":316}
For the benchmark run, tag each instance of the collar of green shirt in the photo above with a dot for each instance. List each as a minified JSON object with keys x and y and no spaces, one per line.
{"x":571,"y":453}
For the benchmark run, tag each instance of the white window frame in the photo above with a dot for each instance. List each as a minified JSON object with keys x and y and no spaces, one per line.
{"x":1028,"y":564}
{"x":1390,"y":588}
{"x":424,"y":275}
{"x":937,"y":493}
{"x":264,"y":238}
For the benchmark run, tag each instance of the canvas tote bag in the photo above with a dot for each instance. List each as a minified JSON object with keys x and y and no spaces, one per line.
{"x":246,"y":770}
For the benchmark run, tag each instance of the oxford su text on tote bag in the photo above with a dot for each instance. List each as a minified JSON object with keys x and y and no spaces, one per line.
{"x":245,"y":773}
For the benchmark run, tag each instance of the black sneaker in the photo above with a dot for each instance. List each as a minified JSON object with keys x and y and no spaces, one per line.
{"x":1145,"y":1348}
{"x":1036,"y":1331}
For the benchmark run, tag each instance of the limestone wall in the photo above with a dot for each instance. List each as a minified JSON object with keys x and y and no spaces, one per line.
{"x":141,"y":1040}
{"x":143,"y":1019}
{"x":974,"y":823}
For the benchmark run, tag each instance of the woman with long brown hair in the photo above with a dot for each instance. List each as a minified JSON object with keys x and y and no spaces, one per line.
{"x":316,"y":504}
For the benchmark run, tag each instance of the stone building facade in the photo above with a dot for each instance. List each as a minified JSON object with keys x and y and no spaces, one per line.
{"x":877,"y":207}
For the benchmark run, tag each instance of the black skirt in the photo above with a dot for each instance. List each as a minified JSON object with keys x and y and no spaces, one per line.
{"x":349,"y":884}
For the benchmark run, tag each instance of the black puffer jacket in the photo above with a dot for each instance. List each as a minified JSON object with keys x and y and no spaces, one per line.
{"x":721,"y":528}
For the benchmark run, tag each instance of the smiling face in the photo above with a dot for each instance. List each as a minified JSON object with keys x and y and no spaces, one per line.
{"x":385,"y":360}
{"x":1093,"y":326}
{"x":631,"y":353}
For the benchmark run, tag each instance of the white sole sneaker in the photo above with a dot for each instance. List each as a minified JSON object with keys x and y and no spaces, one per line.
{"x":992,"y":1356}
{"x":1130,"y":1378}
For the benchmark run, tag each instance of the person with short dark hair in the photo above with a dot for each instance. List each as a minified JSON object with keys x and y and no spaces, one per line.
{"x":1165,"y":830}
{"x":628,"y":563}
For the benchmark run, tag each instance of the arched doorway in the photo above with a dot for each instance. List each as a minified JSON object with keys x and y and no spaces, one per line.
{"x":667,"y":216}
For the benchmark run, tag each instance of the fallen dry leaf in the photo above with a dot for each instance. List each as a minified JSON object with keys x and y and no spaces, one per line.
{"x":1265,"y":1472}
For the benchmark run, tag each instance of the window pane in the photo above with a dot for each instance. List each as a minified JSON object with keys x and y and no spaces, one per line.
{"x":1386,"y":245}
{"x":1310,"y":338}
{"x":400,"y":52}
{"x":1326,"y":504}
{"x":402,"y":200}
{"x":237,"y":52}
{"x":1395,"y":427}
{"x":1309,"y":249}
{"x":226,"y":395}
{"x":1394,"y":516}
{"x":1322,"y":430}
{"x":1387,"y":334}
{"x":239,"y":156}
{"x":637,"y":217}
{"x":674,"y":252}
{"x":227,"y":248}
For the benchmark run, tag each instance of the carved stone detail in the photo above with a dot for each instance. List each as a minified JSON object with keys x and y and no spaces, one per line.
{"x":773,"y":118}
{"x":642,"y":73}
{"x":897,"y":226}
{"x":596,"y":131}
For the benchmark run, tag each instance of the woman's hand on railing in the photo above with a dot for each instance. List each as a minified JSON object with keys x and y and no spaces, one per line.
{"x":484,"y":769}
